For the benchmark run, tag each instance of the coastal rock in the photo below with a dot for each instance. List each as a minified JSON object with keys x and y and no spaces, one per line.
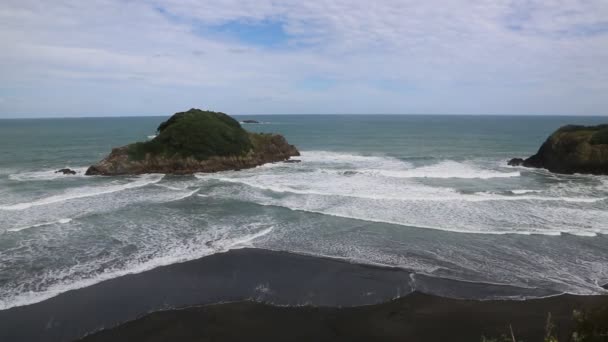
{"x":251,"y":121}
{"x":573,"y":149}
{"x":196,"y":141}
{"x":66,"y":171}
{"x":516,"y":162}
{"x":290,"y":161}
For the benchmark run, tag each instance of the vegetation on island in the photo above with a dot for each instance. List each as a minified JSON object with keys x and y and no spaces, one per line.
{"x":596,"y":135}
{"x":572,"y":149}
{"x":198,"y":134}
{"x":196,"y":141}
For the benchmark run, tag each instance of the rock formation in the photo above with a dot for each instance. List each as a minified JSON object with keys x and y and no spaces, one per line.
{"x":196,"y":141}
{"x":66,"y":171}
{"x":572,"y":149}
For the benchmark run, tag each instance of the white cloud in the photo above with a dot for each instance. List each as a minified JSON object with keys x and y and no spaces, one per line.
{"x":436,"y":56}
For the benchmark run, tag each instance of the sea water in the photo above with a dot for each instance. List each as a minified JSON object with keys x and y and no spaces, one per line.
{"x":430,"y":194}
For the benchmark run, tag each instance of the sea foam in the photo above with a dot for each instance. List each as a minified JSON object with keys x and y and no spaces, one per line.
{"x":46,"y":175}
{"x":86,"y":191}
{"x":385,"y":189}
{"x":69,"y":279}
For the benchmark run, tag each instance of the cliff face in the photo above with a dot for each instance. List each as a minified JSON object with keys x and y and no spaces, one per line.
{"x":573,"y":149}
{"x":196,"y":141}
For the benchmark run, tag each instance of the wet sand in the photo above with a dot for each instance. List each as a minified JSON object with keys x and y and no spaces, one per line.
{"x":416,"y":317}
{"x":312,"y":298}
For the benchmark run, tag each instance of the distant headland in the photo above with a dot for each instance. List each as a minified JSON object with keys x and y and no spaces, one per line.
{"x":196,"y":141}
{"x":572,"y":149}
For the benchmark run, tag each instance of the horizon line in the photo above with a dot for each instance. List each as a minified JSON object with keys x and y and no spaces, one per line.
{"x":301,"y":114}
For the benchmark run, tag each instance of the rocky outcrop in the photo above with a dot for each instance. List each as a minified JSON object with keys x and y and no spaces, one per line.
{"x":66,"y":171}
{"x":516,"y":162}
{"x":196,"y":141}
{"x":572,"y":149}
{"x":251,"y":121}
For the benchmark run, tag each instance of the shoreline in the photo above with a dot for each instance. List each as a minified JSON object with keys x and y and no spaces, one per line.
{"x":245,"y":278}
{"x":415,"y":317}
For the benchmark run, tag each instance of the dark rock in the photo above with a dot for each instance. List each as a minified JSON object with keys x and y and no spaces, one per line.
{"x":251,"y":121}
{"x":196,"y":141}
{"x":516,"y":162}
{"x":574,"y":149}
{"x":292,"y":161}
{"x":66,"y":171}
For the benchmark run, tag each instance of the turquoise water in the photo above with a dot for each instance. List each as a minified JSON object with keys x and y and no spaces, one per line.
{"x":431,"y":194}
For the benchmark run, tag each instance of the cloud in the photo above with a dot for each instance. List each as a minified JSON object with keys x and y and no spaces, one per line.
{"x":502,"y":57}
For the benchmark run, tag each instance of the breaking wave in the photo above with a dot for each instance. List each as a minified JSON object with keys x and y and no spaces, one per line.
{"x":60,"y":221}
{"x":86,"y":191}
{"x":269,"y":205}
{"x":386,"y":189}
{"x":45,"y":175}
{"x":58,"y":282}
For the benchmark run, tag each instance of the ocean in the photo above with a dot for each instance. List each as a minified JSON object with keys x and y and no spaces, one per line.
{"x":432,"y":195}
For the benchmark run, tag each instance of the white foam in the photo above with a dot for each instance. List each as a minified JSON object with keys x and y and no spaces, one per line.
{"x":328,"y":188}
{"x":178,"y":254}
{"x":184,"y":196}
{"x":582,"y":233}
{"x":60,"y":221}
{"x":45,"y":175}
{"x":86,"y":191}
{"x":393,"y":167}
{"x":419,"y":193}
{"x":441,"y":228}
{"x":445,"y":169}
{"x":451,"y":217}
{"x":361,"y":161}
{"x":524,"y":191}
{"x":603,"y":184}
{"x":483,"y":196}
{"x":367,"y":188}
{"x":170,"y":187}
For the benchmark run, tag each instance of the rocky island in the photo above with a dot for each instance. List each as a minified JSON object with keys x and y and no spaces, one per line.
{"x":572,"y":149}
{"x":196,"y":141}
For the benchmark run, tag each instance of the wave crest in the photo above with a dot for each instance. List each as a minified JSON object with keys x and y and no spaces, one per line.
{"x":86,"y":191}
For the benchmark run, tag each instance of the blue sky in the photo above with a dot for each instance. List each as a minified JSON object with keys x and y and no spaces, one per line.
{"x":157,"y":57}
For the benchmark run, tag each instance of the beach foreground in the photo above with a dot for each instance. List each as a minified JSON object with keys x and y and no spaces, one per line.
{"x":277,"y":295}
{"x":416,"y":317}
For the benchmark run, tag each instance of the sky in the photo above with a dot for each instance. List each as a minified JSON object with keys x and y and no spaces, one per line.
{"x":157,"y":57}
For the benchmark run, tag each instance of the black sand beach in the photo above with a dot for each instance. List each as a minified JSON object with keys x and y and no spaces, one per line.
{"x":416,"y":317}
{"x":306,"y":298}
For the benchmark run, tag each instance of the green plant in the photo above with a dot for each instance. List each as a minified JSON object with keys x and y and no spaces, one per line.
{"x":599,"y":137}
{"x":549,"y":327}
{"x":197,"y":134}
{"x":591,"y":326}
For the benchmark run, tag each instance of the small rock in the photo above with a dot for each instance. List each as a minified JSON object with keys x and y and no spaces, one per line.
{"x":516,"y":162}
{"x":251,"y":121}
{"x":293,"y":161}
{"x":66,"y":171}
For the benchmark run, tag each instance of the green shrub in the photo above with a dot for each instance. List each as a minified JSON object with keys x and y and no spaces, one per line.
{"x":195,"y":133}
{"x":573,"y":128}
{"x":591,"y":326}
{"x":599,"y":137}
